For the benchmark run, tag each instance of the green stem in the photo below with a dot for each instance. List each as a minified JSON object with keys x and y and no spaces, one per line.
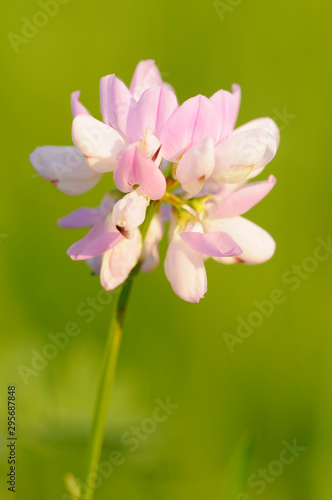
{"x":108,"y":371}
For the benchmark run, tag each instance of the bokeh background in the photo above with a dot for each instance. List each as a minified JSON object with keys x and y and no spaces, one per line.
{"x":276,"y":385}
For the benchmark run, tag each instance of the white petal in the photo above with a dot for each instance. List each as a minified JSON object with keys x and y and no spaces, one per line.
{"x":96,"y":140}
{"x":269,"y":134}
{"x":249,"y":148}
{"x":119,"y":261}
{"x":65,"y":167}
{"x":99,"y":165}
{"x":129,"y":212}
{"x":195,"y":166}
{"x":185,"y":271}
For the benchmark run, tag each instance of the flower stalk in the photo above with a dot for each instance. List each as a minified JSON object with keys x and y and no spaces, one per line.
{"x":107,"y":376}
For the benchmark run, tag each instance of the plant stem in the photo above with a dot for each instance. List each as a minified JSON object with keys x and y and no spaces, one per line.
{"x":121,"y":296}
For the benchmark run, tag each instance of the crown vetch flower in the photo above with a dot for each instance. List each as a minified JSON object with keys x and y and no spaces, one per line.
{"x":133,"y":152}
{"x":202,"y":196}
{"x":104,"y":247}
{"x":223,"y":213}
{"x":184,"y":263}
{"x":67,"y":167}
{"x":200,"y":138}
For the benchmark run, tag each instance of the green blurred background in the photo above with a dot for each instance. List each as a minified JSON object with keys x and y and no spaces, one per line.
{"x":275,"y":386}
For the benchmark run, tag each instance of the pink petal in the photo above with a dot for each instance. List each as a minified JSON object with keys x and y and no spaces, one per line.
{"x":257,"y":245}
{"x":86,"y":217}
{"x":77,"y":108}
{"x":243,"y":199}
{"x":135,"y":168}
{"x":215,"y":244}
{"x":82,"y":217}
{"x":115,"y":100}
{"x":188,"y":125}
{"x":185,"y":271}
{"x":124,"y":172}
{"x":151,"y":112}
{"x":97,"y":140}
{"x":65,"y":167}
{"x":149,"y":177}
{"x":96,"y":242}
{"x":227,"y":107}
{"x":167,"y":104}
{"x":146,"y":75}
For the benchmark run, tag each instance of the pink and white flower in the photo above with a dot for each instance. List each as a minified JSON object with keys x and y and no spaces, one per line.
{"x":221,"y":234}
{"x":143,"y":129}
{"x":128,"y":140}
{"x":65,"y":166}
{"x":184,"y":263}
{"x":224,"y":213}
{"x":104,"y":247}
{"x":200,"y":138}
{"x":100,"y":146}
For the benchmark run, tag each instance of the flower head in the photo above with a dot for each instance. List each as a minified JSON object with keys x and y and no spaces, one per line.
{"x":188,"y":164}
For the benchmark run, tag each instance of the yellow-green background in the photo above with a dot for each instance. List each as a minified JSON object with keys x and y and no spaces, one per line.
{"x":276,"y":385}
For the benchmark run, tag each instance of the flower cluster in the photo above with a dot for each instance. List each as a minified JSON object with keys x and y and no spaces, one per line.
{"x":185,"y":165}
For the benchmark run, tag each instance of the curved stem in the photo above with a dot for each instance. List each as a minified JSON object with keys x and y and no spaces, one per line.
{"x":108,"y":372}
